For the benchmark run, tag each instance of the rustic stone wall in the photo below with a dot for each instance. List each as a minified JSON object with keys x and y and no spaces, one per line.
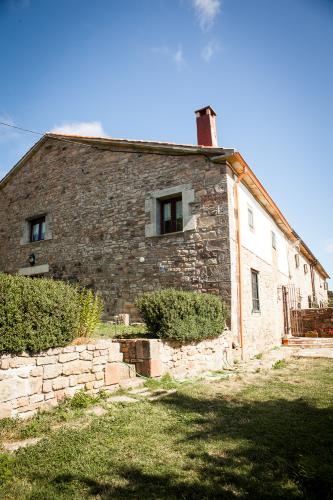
{"x":29,"y":383}
{"x":95,"y":202}
{"x":318,"y":321}
{"x":155,"y":357}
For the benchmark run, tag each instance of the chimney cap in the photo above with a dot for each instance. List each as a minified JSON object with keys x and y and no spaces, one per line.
{"x":207,"y":110}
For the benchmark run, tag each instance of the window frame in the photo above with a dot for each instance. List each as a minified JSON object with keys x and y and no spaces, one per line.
{"x":297,"y":261}
{"x":173,"y":221}
{"x":273,"y":235}
{"x":41,"y":234}
{"x":250,"y":218}
{"x":255,"y":291}
{"x":306,"y":269}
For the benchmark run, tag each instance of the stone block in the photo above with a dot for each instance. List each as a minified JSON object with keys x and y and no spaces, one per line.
{"x":47,"y":385}
{"x":80,"y":348}
{"x":5,"y":364}
{"x":47,"y":360}
{"x":52,"y":371}
{"x":68,"y":356}
{"x":13,"y":388}
{"x":60,"y":383}
{"x":70,"y":348}
{"x":112,"y":373}
{"x":100,"y":360}
{"x":86,"y":355}
{"x":36,"y":384}
{"x":5,"y":410}
{"x":24,"y":401}
{"x":49,"y":395}
{"x":36,"y":398}
{"x":98,"y":384}
{"x":86,"y":377}
{"x":37,"y":371}
{"x":75,"y":367}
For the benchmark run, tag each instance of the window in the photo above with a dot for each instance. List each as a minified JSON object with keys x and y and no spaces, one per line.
{"x":171,"y":215}
{"x":305,"y":269}
{"x":273,"y":240}
{"x":37,"y":229}
{"x":325,"y":285}
{"x":255,"y":291}
{"x":310,"y":301}
{"x":296,"y":260}
{"x":250,"y":218}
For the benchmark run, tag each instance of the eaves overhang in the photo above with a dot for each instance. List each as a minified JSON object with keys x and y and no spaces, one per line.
{"x":250,"y":180}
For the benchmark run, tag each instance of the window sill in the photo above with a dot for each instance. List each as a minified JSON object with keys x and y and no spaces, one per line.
{"x":166,"y":234}
{"x":256,"y":312}
{"x":35,"y":242}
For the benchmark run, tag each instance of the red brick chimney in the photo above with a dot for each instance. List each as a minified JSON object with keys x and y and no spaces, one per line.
{"x":206,"y":127}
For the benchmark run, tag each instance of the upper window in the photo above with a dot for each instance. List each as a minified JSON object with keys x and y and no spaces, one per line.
{"x":296,"y":260}
{"x":255,"y":291}
{"x":305,"y":269}
{"x":273,"y":240}
{"x":325,"y":285}
{"x":171,"y":215}
{"x":250,"y":218}
{"x":37,"y":229}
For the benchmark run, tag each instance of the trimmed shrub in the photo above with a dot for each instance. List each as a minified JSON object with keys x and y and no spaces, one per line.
{"x":184,"y":316}
{"x":36,"y":314}
{"x":91,"y":312}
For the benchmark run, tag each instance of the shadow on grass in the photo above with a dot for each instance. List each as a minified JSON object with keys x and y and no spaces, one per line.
{"x":234,"y":449}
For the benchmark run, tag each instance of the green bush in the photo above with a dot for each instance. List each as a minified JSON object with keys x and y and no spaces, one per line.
{"x":36,"y":314}
{"x":183,"y":316}
{"x":91,"y":308}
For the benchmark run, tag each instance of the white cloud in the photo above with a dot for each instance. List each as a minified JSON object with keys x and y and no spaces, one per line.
{"x":329,"y":246}
{"x":92,"y":129}
{"x":209,"y":51}
{"x":206,"y":11}
{"x":178,"y":57}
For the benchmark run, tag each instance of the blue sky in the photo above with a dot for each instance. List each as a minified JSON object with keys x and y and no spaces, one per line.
{"x":139,"y":68}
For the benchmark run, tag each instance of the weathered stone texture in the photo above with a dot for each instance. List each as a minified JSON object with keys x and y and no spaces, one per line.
{"x":154,"y":358}
{"x":96,"y":202}
{"x":43,"y":380}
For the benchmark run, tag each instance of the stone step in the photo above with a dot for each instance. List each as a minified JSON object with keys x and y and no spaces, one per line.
{"x":129,"y":383}
{"x":308,"y":342}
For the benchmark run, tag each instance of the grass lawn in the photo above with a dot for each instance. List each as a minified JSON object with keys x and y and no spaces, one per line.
{"x":111,"y":331}
{"x":267,"y":435}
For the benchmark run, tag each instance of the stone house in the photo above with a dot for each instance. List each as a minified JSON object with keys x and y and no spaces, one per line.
{"x":125,"y":217}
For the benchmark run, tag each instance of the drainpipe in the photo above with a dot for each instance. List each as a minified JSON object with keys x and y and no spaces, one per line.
{"x":312,"y":265}
{"x":239,"y":260}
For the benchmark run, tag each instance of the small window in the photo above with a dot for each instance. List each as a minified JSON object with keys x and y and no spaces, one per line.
{"x":273,"y":240}
{"x":255,"y":291}
{"x":37,"y":229}
{"x":325,"y":285}
{"x":171,"y":215}
{"x":296,"y":260}
{"x":250,"y":218}
{"x":309,"y":301}
{"x":306,"y":269}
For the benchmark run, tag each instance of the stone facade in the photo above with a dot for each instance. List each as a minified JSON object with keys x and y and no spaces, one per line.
{"x":100,"y":199}
{"x":153,"y":358}
{"x":98,"y":207}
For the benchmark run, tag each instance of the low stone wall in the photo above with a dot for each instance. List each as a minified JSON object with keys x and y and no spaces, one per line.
{"x":154,"y":357}
{"x":318,"y":321}
{"x":29,"y":383}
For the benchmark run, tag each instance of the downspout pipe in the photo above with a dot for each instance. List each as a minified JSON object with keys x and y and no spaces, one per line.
{"x":239,"y":259}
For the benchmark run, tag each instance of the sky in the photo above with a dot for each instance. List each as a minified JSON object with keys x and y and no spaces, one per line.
{"x":138,"y":69}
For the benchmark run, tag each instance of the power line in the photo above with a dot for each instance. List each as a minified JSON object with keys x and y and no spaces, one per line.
{"x":77,"y":141}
